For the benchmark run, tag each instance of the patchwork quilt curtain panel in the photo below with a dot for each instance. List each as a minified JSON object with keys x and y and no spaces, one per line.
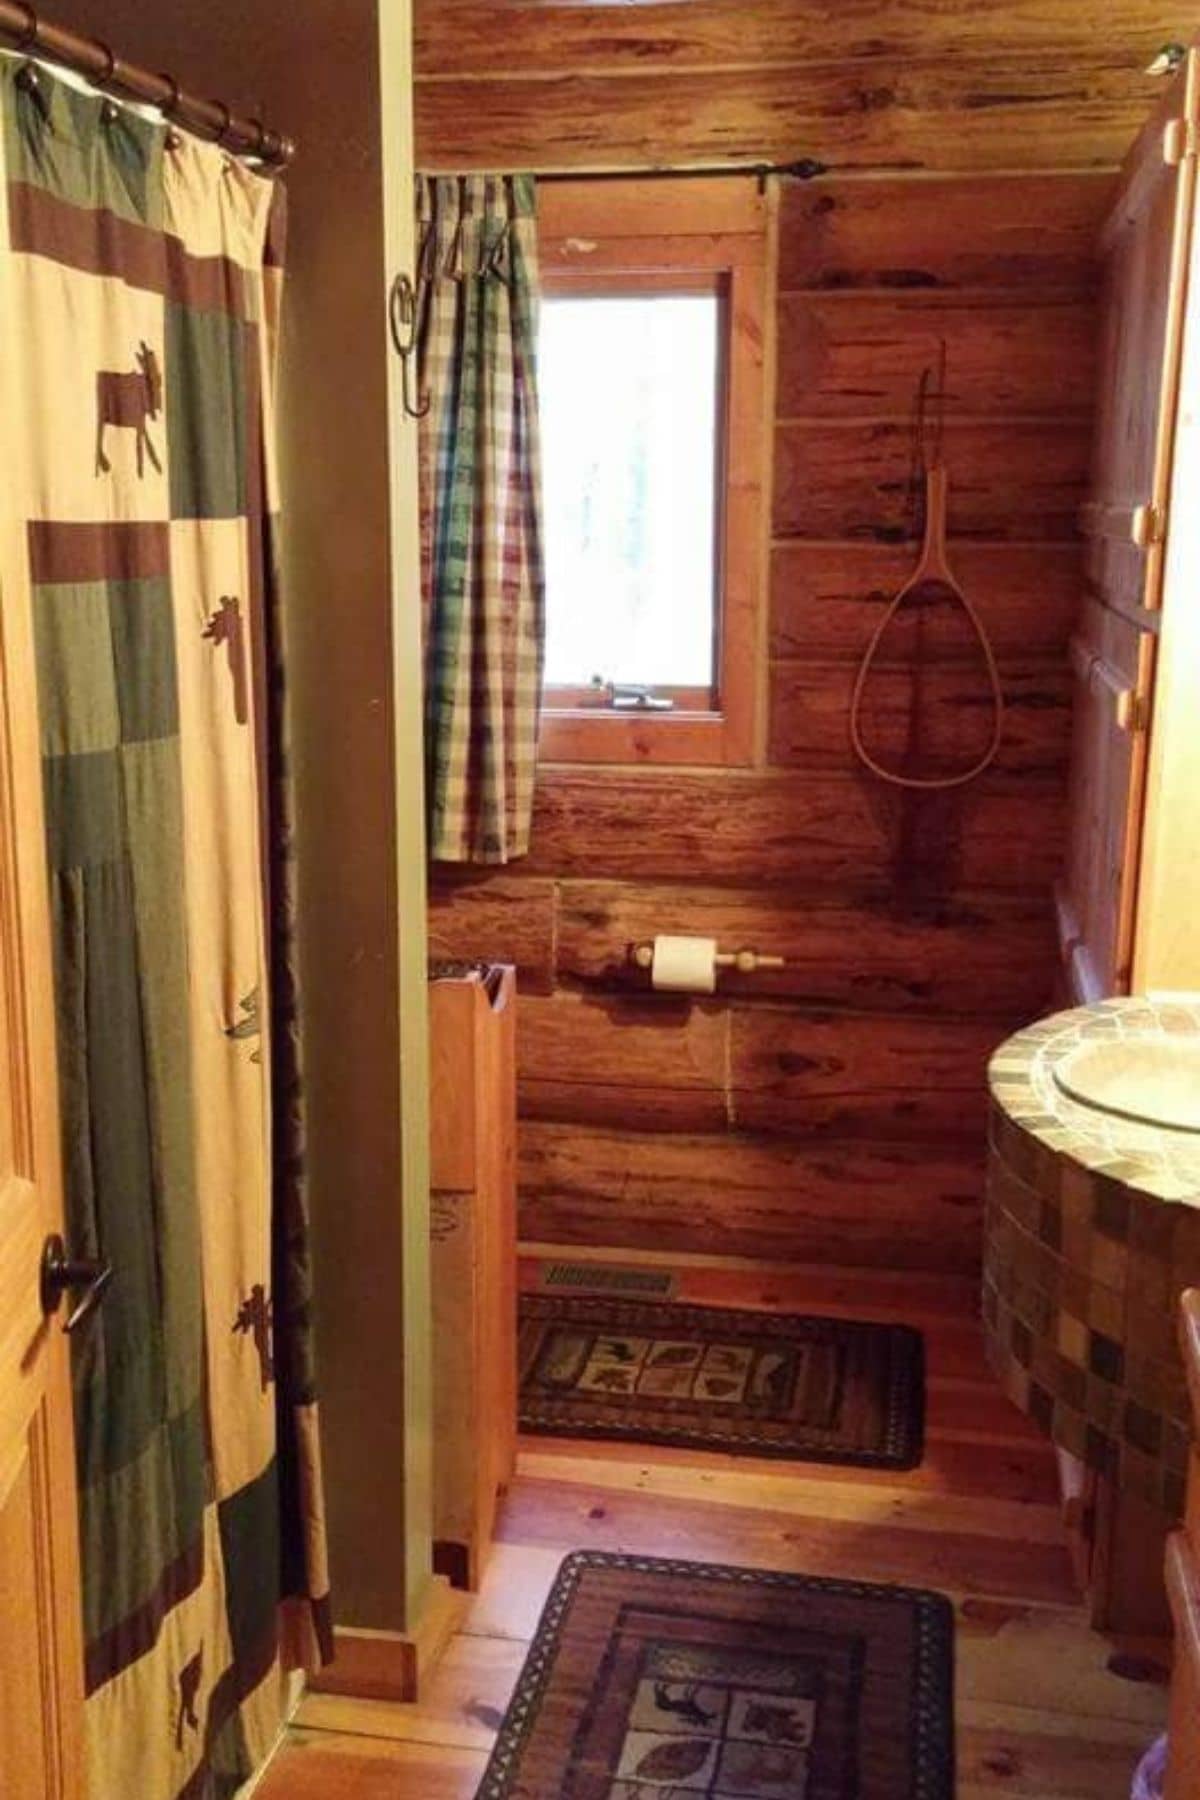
{"x":481,"y":512}
{"x":140,"y":270}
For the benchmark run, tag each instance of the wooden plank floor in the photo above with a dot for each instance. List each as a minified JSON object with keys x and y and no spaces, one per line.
{"x":1040,"y":1714}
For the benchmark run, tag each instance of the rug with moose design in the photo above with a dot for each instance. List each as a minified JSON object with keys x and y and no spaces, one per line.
{"x":712,"y":1378}
{"x":656,"y":1680}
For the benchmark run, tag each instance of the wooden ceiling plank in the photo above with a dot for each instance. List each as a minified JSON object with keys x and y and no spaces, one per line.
{"x":945,"y":113}
{"x":459,"y":37}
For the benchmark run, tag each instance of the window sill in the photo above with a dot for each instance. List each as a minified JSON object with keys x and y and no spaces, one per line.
{"x":583,"y":735}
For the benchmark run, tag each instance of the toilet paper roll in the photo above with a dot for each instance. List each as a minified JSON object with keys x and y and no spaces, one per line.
{"x":684,"y":965}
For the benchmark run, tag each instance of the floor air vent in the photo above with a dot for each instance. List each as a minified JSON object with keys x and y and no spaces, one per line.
{"x":607,"y":1278}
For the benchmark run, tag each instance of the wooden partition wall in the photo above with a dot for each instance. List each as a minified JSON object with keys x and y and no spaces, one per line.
{"x":834,"y":1112}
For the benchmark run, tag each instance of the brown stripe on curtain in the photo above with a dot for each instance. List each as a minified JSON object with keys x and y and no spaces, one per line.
{"x":307,"y":1629}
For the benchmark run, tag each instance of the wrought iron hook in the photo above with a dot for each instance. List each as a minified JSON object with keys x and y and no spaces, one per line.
{"x":402,"y":320}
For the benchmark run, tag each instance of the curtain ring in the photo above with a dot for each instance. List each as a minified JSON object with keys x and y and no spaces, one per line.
{"x":110,"y":63}
{"x":28,"y":39}
{"x":110,"y":112}
{"x":260,"y":140}
{"x":223,"y":133}
{"x":170,"y":106}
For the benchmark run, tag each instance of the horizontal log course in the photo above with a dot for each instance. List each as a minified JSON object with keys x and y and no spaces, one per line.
{"x":1017,"y":479}
{"x":1035,"y":232}
{"x":875,"y":1077}
{"x":826,"y":598}
{"x":944,"y":712}
{"x":670,"y":1062}
{"x":659,"y":1062}
{"x":984,"y":955}
{"x":482,"y":917}
{"x":848,"y":355}
{"x":900,"y":1206}
{"x":803,"y":826}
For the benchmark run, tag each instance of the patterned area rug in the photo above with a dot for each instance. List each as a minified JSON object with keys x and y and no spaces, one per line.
{"x":710,"y":1378}
{"x":652,"y":1680}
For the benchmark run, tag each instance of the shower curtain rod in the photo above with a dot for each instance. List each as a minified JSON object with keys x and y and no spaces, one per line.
{"x":806,"y":168}
{"x":22,"y":30}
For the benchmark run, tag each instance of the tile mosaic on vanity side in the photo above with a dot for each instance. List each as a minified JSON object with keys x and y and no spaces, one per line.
{"x":1092,"y":1230}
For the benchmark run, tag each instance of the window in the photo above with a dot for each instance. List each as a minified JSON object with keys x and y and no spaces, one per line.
{"x":631,"y":554}
{"x":651,"y":393}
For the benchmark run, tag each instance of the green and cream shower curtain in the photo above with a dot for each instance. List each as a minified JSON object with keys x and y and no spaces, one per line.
{"x":140,"y":272}
{"x":484,"y":586}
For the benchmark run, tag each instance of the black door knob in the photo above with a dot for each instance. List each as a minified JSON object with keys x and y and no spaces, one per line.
{"x":62,"y":1274}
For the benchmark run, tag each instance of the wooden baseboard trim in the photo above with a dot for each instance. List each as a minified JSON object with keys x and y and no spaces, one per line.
{"x":390,"y":1665}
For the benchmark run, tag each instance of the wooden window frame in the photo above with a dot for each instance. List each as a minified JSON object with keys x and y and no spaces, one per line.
{"x":687,"y":236}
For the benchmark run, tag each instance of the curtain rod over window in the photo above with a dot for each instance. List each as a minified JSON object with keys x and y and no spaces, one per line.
{"x":807,"y":168}
{"x":22,"y":30}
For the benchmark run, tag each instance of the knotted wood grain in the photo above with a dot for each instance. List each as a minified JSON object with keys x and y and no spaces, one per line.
{"x":980,"y":955}
{"x":969,"y":114}
{"x":469,"y":36}
{"x":808,"y":827}
{"x":900,"y":1206}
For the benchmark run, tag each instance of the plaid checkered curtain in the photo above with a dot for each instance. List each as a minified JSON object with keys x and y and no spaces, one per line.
{"x":140,"y":273}
{"x":481,"y":512}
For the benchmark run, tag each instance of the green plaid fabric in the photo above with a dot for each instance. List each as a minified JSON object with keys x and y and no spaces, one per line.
{"x":484,"y":586}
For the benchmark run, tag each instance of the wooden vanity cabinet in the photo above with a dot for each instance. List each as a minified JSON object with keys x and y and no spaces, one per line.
{"x":473,"y":1118}
{"x":1134,"y":840}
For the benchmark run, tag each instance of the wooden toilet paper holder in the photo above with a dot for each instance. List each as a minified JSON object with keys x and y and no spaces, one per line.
{"x":746,"y":962}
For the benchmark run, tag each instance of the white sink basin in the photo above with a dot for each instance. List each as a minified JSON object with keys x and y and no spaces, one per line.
{"x":1154,"y":1080}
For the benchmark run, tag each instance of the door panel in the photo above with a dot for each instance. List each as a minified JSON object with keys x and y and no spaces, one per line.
{"x":1107,"y":747}
{"x":40,"y":1651}
{"x":1146,"y":245}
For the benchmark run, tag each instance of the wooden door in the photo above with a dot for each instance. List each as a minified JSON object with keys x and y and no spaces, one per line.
{"x":40,"y":1634}
{"x":1145,"y":248}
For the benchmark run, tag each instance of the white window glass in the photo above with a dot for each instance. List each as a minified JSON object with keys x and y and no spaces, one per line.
{"x":629,"y":404}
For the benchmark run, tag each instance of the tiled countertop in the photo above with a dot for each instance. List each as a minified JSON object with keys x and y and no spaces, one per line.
{"x":1151,"y":1158}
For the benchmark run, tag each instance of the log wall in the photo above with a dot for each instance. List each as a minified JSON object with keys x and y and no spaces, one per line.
{"x":833,"y":1111}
